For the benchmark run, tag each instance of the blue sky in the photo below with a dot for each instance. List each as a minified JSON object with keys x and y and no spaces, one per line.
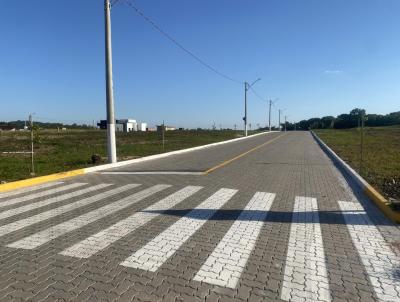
{"x":318,"y":57}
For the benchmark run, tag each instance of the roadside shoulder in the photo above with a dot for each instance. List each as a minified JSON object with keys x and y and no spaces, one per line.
{"x":368,"y":190}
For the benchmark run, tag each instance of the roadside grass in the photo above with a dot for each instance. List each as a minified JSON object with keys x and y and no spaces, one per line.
{"x":72,"y":149}
{"x":381,"y":155}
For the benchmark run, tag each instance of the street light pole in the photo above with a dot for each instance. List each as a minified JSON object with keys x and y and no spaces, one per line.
{"x":269,"y":120}
{"x":279,"y":124}
{"x":111,"y":145}
{"x":247,"y":87}
{"x":285,"y":123}
{"x":245,"y":109}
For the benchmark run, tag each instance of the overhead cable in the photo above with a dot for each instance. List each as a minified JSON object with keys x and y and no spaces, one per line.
{"x":174,"y":41}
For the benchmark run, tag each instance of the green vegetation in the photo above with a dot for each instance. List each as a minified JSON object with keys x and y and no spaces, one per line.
{"x":72,"y":149}
{"x":381,"y":154}
{"x":346,"y":121}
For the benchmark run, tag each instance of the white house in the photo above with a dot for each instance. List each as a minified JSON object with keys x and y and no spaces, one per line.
{"x":143,"y":127}
{"x":128,"y":125}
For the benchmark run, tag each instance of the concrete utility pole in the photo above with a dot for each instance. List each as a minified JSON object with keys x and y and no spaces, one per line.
{"x":269,"y":120}
{"x":111,"y":144}
{"x":285,"y":123}
{"x":279,"y":123}
{"x":163,"y":136}
{"x":245,"y":109}
{"x":247,"y":87}
{"x":32,"y":163}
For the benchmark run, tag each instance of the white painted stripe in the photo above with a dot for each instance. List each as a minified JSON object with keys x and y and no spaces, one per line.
{"x":153,"y":173}
{"x":161,"y":248}
{"x":20,"y":224}
{"x":29,"y":189}
{"x":380,"y":261}
{"x":46,"y":202}
{"x":103,"y":239}
{"x":226,"y":263}
{"x":58,"y":230}
{"x":305,"y":276}
{"x":40,"y":194}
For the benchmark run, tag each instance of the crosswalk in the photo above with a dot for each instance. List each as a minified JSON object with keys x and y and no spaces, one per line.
{"x":305,"y":268}
{"x":101,"y":240}
{"x":305,"y":275}
{"x":158,"y":250}
{"x":226,"y":263}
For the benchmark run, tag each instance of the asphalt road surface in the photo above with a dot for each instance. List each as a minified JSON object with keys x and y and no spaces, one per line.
{"x":269,"y":218}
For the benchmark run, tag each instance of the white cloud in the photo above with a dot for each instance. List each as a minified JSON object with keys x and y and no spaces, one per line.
{"x":333,"y":71}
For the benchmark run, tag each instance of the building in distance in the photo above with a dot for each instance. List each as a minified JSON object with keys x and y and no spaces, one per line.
{"x":166,"y":128}
{"x":124,"y":125}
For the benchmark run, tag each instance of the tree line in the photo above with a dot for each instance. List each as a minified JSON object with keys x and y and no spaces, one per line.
{"x":344,"y":121}
{"x":20,"y":125}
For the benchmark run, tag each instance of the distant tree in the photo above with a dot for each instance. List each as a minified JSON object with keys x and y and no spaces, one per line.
{"x":357,"y":112}
{"x":303,"y":125}
{"x":328,"y":122}
{"x":314,"y":123}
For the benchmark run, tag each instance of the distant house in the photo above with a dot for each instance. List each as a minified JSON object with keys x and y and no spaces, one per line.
{"x":124,"y":125}
{"x":102,"y":124}
{"x":127,"y":125}
{"x":166,"y":128}
{"x":119,"y":127}
{"x":143,"y":127}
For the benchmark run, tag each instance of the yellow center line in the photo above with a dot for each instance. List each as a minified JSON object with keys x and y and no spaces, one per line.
{"x":240,"y":155}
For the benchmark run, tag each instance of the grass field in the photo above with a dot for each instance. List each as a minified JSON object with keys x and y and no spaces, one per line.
{"x":57,"y":152}
{"x":381,"y":155}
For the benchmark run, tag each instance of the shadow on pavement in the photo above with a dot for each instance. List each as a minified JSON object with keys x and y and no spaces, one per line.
{"x":325,"y":217}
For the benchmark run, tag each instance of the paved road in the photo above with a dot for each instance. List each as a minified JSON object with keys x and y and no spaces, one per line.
{"x":279,"y":223}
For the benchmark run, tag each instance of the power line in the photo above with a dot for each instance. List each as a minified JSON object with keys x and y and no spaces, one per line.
{"x":174,"y":41}
{"x":257,"y":95}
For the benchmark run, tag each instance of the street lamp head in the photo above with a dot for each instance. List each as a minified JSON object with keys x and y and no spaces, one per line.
{"x":255,"y":82}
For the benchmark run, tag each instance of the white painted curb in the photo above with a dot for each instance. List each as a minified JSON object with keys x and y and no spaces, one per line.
{"x":350,"y":171}
{"x":162,"y":155}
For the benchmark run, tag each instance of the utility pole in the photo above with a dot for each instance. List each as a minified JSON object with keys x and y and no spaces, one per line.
{"x":279,"y":125}
{"x":285,"y":123}
{"x":245,"y":109}
{"x":247,"y":86}
{"x":163,"y":136}
{"x":269,"y":120}
{"x":111,"y":144}
{"x":32,"y":164}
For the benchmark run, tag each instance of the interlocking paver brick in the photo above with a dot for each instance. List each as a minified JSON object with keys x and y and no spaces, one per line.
{"x":346,"y":267}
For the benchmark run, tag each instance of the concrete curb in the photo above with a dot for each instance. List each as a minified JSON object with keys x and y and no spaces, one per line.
{"x":38,"y":180}
{"x":368,"y":190}
{"x":52,"y":177}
